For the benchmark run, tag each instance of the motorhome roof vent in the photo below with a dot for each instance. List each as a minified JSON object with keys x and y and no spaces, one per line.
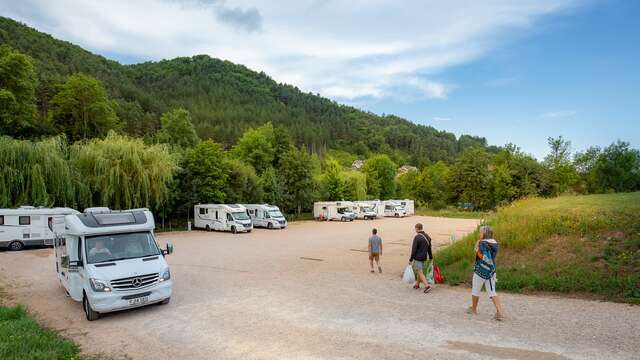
{"x":27,"y":207}
{"x":97,"y":210}
{"x":115,"y":218}
{"x":235,"y":206}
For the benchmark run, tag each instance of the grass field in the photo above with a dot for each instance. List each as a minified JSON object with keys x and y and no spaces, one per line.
{"x":587,"y":245}
{"x":21,"y":337}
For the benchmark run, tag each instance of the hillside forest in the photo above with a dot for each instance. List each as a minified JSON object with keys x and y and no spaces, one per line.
{"x":79,"y":130}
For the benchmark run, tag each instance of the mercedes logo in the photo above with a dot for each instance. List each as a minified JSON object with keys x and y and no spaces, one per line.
{"x":136,"y":282}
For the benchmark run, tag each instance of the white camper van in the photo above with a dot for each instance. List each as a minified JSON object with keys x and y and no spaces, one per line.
{"x":334,"y":210}
{"x":222,"y":217}
{"x":393,"y":208}
{"x":364,"y":211}
{"x":110,"y":261}
{"x":28,"y":226}
{"x":267,"y":216}
{"x":408,"y":205}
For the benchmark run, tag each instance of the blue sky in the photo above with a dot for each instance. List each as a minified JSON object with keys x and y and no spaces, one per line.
{"x":512,"y":71}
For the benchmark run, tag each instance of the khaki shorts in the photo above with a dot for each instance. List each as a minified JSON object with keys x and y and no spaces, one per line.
{"x":374,"y":256}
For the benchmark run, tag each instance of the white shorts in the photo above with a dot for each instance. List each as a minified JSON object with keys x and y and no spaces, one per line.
{"x":489,"y":285}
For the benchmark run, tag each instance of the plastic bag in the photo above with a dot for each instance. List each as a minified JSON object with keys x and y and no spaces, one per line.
{"x":437,"y":274}
{"x":408,"y":276}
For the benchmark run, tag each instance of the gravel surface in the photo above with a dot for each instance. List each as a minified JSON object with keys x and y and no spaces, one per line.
{"x":306,"y":292}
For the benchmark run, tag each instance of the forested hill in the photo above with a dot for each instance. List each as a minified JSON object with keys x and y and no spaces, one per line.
{"x":225,"y":99}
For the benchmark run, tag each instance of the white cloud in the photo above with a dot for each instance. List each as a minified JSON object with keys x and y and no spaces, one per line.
{"x":559,"y":114}
{"x":437,"y":118}
{"x":347,"y":50}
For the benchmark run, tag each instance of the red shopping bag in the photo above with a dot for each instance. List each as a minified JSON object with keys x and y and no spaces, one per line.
{"x":437,"y":274}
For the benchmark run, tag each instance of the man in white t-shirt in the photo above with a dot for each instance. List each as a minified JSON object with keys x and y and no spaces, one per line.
{"x":99,"y":248}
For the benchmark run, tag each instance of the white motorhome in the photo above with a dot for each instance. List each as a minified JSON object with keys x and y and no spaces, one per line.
{"x":376,"y":205}
{"x":265,"y":215}
{"x":393,"y":208}
{"x":222,"y":217}
{"x":364,"y":211}
{"x":408,"y":205}
{"x":334,"y":210}
{"x":30,"y":226}
{"x":110,"y":261}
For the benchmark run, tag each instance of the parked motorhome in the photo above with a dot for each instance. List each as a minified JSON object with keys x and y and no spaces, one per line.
{"x":408,"y":205}
{"x":334,"y":210}
{"x":222,"y":217}
{"x":364,"y":211}
{"x":30,"y":226}
{"x":110,"y":261}
{"x":267,"y":216}
{"x":393,"y":208}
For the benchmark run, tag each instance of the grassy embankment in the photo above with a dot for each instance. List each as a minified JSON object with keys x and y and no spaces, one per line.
{"x":21,"y":337}
{"x":584,"y":245}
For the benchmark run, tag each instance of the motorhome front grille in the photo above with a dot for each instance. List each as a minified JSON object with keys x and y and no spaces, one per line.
{"x":247,"y":225}
{"x":281,"y":222}
{"x":134,"y":282}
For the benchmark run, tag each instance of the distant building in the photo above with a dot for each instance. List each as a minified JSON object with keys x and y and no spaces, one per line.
{"x":357,"y":164}
{"x":405,"y":169}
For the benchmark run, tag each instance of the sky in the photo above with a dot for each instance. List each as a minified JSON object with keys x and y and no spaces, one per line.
{"x":511,"y":71}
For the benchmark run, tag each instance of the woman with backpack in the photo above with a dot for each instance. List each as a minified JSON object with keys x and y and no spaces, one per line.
{"x":484,"y":273}
{"x":422,"y":259}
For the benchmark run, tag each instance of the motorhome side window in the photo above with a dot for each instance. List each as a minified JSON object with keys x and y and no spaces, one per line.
{"x":24,"y":220}
{"x":216,"y":214}
{"x":203,"y":211}
{"x":1,"y":219}
{"x":229,"y":218}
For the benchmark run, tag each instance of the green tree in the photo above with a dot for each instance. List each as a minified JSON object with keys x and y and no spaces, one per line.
{"x":381,"y":173}
{"x":177,"y":129}
{"x":470,"y":179}
{"x":123,"y":172}
{"x":82,"y":109}
{"x":136,"y":121}
{"x":333,"y":182}
{"x":17,"y":92}
{"x":355,"y":185}
{"x":297,"y":177}
{"x":256,"y":147}
{"x":207,"y":172}
{"x":561,"y":175}
{"x":617,"y":168}
{"x":243,"y":183}
{"x":433,"y":186}
{"x":271,"y":186}
{"x":407,"y":184}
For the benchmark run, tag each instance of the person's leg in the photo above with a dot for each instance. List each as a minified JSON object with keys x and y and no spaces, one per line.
{"x":378,"y":263}
{"x":417,"y":268}
{"x":371,"y":261}
{"x":476,"y":287}
{"x":494,"y":297}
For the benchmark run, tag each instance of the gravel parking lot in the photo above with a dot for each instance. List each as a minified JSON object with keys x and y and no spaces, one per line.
{"x":306,"y":292}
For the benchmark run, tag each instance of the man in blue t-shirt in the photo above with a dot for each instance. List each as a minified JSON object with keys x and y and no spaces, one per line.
{"x":375,"y":249}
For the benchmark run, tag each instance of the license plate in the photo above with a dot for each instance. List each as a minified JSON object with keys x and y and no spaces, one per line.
{"x":139,"y":301}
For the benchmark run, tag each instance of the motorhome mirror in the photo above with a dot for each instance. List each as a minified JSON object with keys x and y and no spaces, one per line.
{"x":168,"y":250}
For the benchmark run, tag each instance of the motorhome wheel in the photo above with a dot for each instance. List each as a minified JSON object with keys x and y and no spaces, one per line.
{"x":165,"y":301}
{"x":208,"y":228}
{"x":233,"y":229}
{"x":270,"y":226}
{"x":88,"y":311}
{"x":16,"y":246}
{"x":397,"y":215}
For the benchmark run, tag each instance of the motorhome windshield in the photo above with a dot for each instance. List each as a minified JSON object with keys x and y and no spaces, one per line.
{"x":367,"y":209}
{"x":275,"y":214}
{"x":343,"y":210}
{"x":240,"y":215}
{"x":112,"y":247}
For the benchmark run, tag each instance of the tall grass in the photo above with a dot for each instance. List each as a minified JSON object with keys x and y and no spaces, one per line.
{"x":570,"y":244}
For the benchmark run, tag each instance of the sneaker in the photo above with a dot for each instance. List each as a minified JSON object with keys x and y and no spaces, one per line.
{"x":428,"y":289}
{"x":372,"y":271}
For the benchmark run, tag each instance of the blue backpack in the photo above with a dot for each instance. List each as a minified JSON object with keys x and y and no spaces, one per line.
{"x":485,"y":267}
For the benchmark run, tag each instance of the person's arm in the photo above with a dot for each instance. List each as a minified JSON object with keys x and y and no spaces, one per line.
{"x":381,"y":246}
{"x":369,"y":246}
{"x":429,"y":249}
{"x":414,"y":248}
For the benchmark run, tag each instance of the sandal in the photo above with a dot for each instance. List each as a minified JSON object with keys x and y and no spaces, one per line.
{"x":416,"y":287}
{"x":428,"y":289}
{"x":498,"y":317}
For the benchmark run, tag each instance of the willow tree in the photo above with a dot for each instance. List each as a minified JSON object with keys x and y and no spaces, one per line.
{"x":35,"y":173}
{"x":123,"y":172}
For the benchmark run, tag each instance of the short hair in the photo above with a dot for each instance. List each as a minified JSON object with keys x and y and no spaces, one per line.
{"x":486,"y":232}
{"x":374,"y":231}
{"x":418,"y":226}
